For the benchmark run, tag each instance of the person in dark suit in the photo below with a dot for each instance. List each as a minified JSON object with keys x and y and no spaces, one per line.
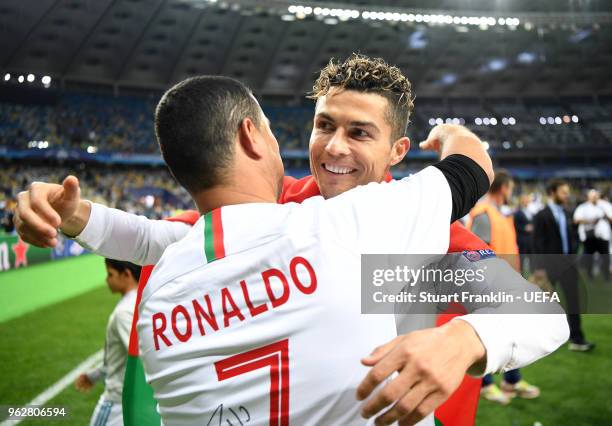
{"x":524,"y":228}
{"x":553,"y":234}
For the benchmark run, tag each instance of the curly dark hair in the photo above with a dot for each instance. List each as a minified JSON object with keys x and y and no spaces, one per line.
{"x":371,"y":75}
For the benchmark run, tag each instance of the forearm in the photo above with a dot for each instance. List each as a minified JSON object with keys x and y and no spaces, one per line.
{"x":119,"y":235}
{"x":461,"y":141}
{"x":514,"y":331}
{"x":467,"y":182}
{"x":516,"y":340}
{"x":472,"y":347}
{"x":75,"y":225}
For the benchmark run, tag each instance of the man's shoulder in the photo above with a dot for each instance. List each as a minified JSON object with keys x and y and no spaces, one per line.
{"x":543,"y":212}
{"x":179,"y":257}
{"x":125,"y":307}
{"x":298,"y":190}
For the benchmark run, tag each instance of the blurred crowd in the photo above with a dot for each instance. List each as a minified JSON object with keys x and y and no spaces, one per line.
{"x":540,"y":231}
{"x":125,"y":124}
{"x":78,"y":122}
{"x":116,"y":125}
{"x":151,"y":192}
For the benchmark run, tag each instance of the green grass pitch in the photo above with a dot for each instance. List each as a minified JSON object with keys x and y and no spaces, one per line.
{"x":41,"y":342}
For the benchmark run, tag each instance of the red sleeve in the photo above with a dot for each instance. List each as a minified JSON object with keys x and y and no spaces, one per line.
{"x":462,"y":239}
{"x":297,"y":190}
{"x":460,"y":408}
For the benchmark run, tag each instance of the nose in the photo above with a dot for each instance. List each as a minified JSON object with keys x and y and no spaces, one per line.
{"x":337,"y":145}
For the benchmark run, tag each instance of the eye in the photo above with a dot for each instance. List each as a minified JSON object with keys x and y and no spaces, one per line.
{"x":324,"y":125}
{"x":359,"y":133}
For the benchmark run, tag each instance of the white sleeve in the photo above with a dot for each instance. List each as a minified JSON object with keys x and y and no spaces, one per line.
{"x":411,"y":215}
{"x":124,"y":236}
{"x":96,"y":374}
{"x":516,"y":340}
{"x":607,"y":206}
{"x":512,"y":340}
{"x":579,"y":213}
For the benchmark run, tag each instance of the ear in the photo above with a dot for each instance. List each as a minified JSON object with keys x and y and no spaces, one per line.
{"x":399,"y":150}
{"x":249,"y":140}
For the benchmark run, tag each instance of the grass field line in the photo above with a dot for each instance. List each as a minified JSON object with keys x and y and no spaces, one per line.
{"x":57,"y":387}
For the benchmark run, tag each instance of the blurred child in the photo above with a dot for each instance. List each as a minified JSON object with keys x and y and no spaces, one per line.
{"x":122,"y":277}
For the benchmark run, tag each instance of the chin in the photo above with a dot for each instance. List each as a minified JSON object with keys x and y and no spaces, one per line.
{"x":330,"y":191}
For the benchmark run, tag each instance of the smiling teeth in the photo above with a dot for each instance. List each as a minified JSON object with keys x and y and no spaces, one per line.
{"x":338,"y":170}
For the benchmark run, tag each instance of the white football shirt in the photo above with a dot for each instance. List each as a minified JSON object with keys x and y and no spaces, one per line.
{"x":596,"y":213}
{"x":255,"y":316}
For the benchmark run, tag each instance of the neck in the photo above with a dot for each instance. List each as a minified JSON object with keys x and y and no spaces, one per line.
{"x":129,"y":288}
{"x":495,"y":199}
{"x":220,"y":196}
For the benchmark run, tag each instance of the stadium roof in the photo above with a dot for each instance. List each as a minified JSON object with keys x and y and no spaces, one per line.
{"x":494,"y":6}
{"x":549,"y":48}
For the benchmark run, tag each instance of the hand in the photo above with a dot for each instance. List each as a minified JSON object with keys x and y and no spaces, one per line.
{"x":431,"y":365}
{"x":449,"y":139}
{"x":440,"y":134}
{"x":45,"y":207}
{"x":83,"y":384}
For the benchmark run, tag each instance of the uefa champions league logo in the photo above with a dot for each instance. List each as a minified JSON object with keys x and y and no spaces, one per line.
{"x":472,"y":256}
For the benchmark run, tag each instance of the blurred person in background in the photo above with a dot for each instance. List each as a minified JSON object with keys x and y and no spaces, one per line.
{"x":121,"y":277}
{"x":7,"y":212}
{"x":487,"y":221}
{"x":554,"y":247}
{"x":593,"y":220}
{"x":524,"y":228}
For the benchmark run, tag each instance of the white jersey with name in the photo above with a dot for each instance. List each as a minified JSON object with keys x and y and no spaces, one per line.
{"x":255,"y":316}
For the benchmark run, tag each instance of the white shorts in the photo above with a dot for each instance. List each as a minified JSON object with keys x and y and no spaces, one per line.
{"x":107,"y":413}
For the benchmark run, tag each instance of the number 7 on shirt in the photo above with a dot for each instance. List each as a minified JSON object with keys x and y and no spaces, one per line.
{"x":276,"y":357}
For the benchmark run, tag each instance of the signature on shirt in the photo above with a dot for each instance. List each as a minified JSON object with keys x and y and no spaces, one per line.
{"x":229,"y":417}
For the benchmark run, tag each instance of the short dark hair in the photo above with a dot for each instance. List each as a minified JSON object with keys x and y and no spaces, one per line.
{"x":370,"y":75}
{"x":555,"y":184}
{"x":121,"y":266}
{"x":502,"y":178}
{"x":196,"y":123}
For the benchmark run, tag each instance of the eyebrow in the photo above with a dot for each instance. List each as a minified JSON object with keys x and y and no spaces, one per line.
{"x":369,"y":124}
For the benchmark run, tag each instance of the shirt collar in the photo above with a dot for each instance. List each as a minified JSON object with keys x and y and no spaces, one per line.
{"x":554,"y":206}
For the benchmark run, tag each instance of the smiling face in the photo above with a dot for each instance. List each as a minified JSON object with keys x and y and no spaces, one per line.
{"x":351,"y":142}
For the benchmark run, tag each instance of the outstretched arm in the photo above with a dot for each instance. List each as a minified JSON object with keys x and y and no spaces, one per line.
{"x":493,"y":337}
{"x":46,"y":207}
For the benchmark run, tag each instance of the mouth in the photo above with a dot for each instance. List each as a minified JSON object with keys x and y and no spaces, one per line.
{"x":338,"y":170}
